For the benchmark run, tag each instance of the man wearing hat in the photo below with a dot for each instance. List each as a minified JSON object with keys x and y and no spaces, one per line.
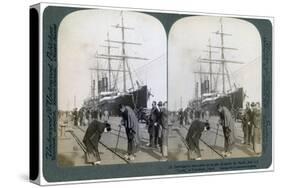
{"x":227,"y":123}
{"x":255,"y":121}
{"x":91,"y":140}
{"x":80,"y":115}
{"x":130,"y":122}
{"x":153,"y":126}
{"x":246,"y":125}
{"x":163,"y":121}
{"x":181,"y":116}
{"x":75,"y":117}
{"x":193,"y":135}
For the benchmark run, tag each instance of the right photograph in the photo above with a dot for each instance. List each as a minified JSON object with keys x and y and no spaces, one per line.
{"x":214,"y":89}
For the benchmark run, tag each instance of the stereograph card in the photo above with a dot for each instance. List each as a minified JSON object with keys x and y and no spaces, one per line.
{"x":124,"y":93}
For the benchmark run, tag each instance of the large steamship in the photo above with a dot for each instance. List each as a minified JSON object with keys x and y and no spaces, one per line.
{"x":109,"y":95}
{"x":207,"y":91}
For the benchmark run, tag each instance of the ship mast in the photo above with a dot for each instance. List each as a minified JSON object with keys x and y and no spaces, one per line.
{"x":98,"y":75}
{"x":98,"y":69}
{"x":123,"y":50}
{"x":123,"y":57}
{"x":222,"y":56}
{"x":200,"y":76}
{"x":123,"y":53}
{"x":210,"y":67}
{"x":210,"y":52}
{"x":222,"y":61}
{"x":109,"y":47}
{"x":210,"y":62}
{"x":92,"y":86}
{"x":125,"y":61}
{"x":224,"y":65}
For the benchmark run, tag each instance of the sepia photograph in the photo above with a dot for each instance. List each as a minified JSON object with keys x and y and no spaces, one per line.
{"x":112,"y":73}
{"x":128,"y":92}
{"x":214,"y":87}
{"x":123,"y":93}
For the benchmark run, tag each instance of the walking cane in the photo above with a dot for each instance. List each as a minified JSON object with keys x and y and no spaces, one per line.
{"x":188,"y":153}
{"x":115,"y":150}
{"x":216,"y":135}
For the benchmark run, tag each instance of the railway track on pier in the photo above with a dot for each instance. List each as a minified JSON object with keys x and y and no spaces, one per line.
{"x":202,"y":141}
{"x":83,"y":147}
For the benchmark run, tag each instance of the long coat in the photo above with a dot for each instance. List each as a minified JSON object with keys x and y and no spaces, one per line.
{"x":227,"y":121}
{"x":75,"y":117}
{"x":256,"y":130}
{"x":246,"y":126}
{"x":91,"y":140}
{"x":131,"y":122}
{"x":255,"y":118}
{"x":163,"y":121}
{"x":194,"y":133}
{"x":153,"y":118}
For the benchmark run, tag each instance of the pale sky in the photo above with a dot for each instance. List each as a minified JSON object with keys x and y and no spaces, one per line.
{"x":80,"y":35}
{"x":82,"y":32}
{"x":188,"y":39}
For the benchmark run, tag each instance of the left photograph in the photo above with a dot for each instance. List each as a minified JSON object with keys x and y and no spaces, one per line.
{"x":112,"y":72}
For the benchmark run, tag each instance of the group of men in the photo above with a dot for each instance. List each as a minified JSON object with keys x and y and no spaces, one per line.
{"x":84,"y":116}
{"x":81,"y":117}
{"x":187,"y":115}
{"x":157,"y":123}
{"x":158,"y":128}
{"x":251,"y":124}
{"x":201,"y":123}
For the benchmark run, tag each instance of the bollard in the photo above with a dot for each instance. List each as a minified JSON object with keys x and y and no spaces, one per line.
{"x":62,"y":130}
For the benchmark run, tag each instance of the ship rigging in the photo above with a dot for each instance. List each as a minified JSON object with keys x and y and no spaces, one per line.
{"x":109,"y":95}
{"x":210,"y":94}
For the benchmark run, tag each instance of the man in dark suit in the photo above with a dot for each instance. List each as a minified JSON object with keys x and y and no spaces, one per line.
{"x":255,"y":121}
{"x":153,"y":126}
{"x":91,"y":140}
{"x":246,"y":124}
{"x":75,"y":117}
{"x":80,"y":116}
{"x":163,"y":122}
{"x":181,"y":117}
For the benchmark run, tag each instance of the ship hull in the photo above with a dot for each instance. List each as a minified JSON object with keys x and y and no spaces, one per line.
{"x":233,"y":101}
{"x":136,"y":99}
